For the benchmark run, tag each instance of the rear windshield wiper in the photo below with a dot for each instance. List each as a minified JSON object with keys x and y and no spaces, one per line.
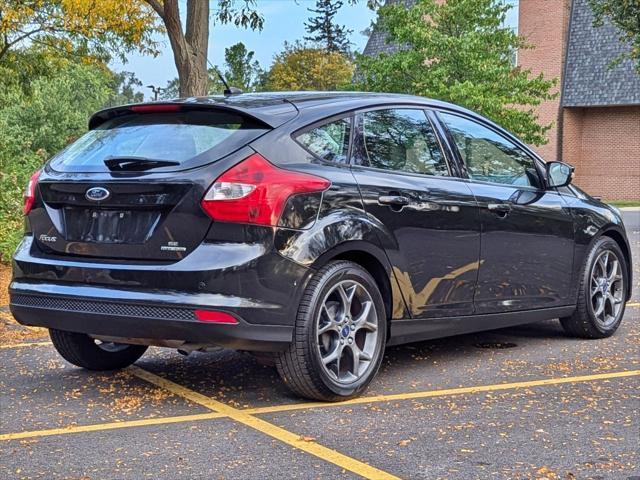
{"x":136,"y":164}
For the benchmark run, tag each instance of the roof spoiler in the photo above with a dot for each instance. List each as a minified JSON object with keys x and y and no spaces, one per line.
{"x":268,"y":118}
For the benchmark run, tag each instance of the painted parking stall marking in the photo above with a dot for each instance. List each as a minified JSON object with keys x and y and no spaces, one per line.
{"x":214,"y":405}
{"x":109,"y":426}
{"x":285,"y":436}
{"x":25,"y":344}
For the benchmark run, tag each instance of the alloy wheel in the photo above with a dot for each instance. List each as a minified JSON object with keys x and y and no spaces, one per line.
{"x":606,"y":288}
{"x":111,"y":347}
{"x":347,"y":332}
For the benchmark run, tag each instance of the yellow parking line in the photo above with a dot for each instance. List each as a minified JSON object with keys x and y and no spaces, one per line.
{"x":25,"y":344}
{"x":633,"y":304}
{"x":109,"y":426}
{"x":213,"y":404}
{"x":445,"y":392}
{"x":285,"y":436}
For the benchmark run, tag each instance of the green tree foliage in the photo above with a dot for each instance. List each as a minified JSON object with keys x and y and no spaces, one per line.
{"x":323,"y":30}
{"x":459,"y":51}
{"x":190,"y":43}
{"x":95,"y":28}
{"x":241,"y":70}
{"x":300,"y":67}
{"x":190,"y":38}
{"x":36,"y":124}
{"x":624,"y":14}
{"x":171,"y":89}
{"x":124,"y":88}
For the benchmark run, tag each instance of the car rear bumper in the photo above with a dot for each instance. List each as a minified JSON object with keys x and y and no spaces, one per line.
{"x":42,"y":305}
{"x":157,"y":303}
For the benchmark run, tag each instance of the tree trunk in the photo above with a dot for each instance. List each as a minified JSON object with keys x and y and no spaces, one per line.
{"x":189,"y":48}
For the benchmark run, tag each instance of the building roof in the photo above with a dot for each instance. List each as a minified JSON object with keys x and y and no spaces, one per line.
{"x":589,"y":78}
{"x":377,"y":42}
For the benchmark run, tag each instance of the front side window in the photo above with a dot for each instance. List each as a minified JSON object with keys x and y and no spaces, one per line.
{"x":489,"y":156}
{"x":330,"y":141}
{"x":401,"y":140}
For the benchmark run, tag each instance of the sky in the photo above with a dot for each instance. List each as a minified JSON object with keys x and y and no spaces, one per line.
{"x":283,"y":20}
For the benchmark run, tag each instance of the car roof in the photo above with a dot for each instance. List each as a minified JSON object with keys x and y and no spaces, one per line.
{"x":276,"y":108}
{"x":311,"y":99}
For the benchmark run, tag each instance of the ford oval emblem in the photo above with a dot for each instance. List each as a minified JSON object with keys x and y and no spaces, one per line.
{"x":97,"y":194}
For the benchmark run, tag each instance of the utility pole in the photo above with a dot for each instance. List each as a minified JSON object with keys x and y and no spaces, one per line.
{"x":156,"y":91}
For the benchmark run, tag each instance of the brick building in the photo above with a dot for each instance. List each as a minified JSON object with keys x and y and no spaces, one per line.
{"x":596,"y":116}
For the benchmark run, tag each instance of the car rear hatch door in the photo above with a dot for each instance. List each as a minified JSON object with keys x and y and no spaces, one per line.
{"x":131,"y":188}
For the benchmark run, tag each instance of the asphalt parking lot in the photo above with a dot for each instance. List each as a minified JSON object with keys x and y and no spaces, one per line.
{"x":525,"y":402}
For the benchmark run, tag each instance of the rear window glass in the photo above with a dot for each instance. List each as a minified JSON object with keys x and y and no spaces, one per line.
{"x":190,"y":138}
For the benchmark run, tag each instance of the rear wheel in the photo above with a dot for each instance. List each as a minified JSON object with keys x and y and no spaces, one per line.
{"x":86,"y":352}
{"x":339,"y":337}
{"x":601,"y":294}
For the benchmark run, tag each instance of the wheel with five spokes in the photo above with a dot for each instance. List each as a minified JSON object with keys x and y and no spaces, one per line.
{"x":339,"y":337}
{"x":601,"y":293}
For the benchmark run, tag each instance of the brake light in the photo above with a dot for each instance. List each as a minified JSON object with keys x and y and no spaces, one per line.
{"x":255,"y":191}
{"x":215,"y":317}
{"x":30,"y":193}
{"x":156,"y":107}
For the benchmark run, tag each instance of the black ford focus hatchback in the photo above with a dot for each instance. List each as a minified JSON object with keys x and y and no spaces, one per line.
{"x":314,"y":228}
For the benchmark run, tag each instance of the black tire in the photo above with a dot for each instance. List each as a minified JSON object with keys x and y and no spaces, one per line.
{"x":300,"y":366}
{"x":266,"y":359}
{"x":82,"y":351}
{"x":583,"y":323}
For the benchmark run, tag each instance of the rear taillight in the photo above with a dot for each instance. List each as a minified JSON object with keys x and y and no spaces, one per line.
{"x":30,"y":193}
{"x":255,"y":191}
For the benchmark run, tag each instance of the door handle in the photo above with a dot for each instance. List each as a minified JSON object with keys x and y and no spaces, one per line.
{"x":393,"y":200}
{"x":500,"y":209}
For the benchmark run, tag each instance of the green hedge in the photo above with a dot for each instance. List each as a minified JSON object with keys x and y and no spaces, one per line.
{"x":37,"y":122}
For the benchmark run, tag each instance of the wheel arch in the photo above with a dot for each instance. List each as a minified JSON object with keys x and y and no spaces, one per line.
{"x":620,"y":239}
{"x":374,"y":261}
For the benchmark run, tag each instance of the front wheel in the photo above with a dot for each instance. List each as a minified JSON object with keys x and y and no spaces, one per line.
{"x":339,"y":337}
{"x":601,"y":293}
{"x":86,"y":352}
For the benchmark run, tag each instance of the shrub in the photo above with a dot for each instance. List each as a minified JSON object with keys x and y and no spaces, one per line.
{"x":35,"y":125}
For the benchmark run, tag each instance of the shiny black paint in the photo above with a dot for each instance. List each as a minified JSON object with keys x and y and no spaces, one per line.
{"x":515,"y":221}
{"x":130,"y":193}
{"x":592,"y":219}
{"x":433,"y":242}
{"x":431,"y":237}
{"x":448,"y":263}
{"x":511,"y":278}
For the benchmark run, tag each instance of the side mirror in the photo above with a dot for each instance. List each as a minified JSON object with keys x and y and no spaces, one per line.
{"x":559,"y":174}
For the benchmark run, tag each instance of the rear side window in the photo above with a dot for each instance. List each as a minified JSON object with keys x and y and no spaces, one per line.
{"x":329,"y":141}
{"x":402,"y":140}
{"x":190,"y":138}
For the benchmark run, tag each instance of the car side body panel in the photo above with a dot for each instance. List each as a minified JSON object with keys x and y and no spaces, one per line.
{"x":592,"y":219}
{"x":342,"y":225}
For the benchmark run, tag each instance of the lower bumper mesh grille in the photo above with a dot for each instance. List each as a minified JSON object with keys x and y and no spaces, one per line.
{"x":104,"y":308}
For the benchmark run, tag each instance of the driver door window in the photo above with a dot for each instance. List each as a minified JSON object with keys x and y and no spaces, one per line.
{"x":488,"y":156}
